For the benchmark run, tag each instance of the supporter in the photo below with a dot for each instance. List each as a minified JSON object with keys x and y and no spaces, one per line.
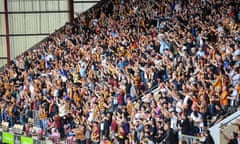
{"x":97,"y":73}
{"x":80,"y":134}
{"x":11,"y":112}
{"x":234,"y":98}
{"x":231,"y":140}
{"x":185,"y":125}
{"x":55,"y":136}
{"x":95,"y":135}
{"x":43,"y":118}
{"x":171,"y":136}
{"x":208,"y":138}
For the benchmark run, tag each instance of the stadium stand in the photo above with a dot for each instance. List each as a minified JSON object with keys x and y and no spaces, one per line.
{"x":130,"y":71}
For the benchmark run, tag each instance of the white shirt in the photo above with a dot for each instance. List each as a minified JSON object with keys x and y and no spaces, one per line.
{"x":186,"y":99}
{"x":90,"y":118}
{"x":179,"y":106}
{"x":31,"y":88}
{"x":55,"y":93}
{"x":195,"y":118}
{"x":236,"y":79}
{"x":234,"y":95}
{"x":132,"y":91}
{"x":62,"y":110}
{"x":173,"y":122}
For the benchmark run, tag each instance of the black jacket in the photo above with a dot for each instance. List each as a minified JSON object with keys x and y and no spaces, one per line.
{"x":186,"y":126}
{"x":171,"y":137}
{"x":209,"y":140}
{"x":233,"y":141}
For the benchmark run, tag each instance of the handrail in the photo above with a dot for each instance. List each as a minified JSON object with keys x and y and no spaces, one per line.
{"x":215,"y":130}
{"x":227,"y":122}
{"x":190,"y":139}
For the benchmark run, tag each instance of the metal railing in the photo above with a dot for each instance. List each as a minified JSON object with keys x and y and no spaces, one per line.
{"x":190,"y":139}
{"x":36,"y":118}
{"x":225,"y":126}
{"x":70,"y":141}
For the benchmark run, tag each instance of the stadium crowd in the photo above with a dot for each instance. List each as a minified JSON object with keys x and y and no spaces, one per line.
{"x":91,"y":81}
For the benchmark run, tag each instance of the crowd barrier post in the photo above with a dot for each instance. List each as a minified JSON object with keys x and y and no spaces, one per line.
{"x":35,"y":118}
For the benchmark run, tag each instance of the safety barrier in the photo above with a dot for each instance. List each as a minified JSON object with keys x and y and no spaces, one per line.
{"x":12,"y":138}
{"x":70,"y":140}
{"x":35,"y":120}
{"x":226,"y":126}
{"x":190,"y":139}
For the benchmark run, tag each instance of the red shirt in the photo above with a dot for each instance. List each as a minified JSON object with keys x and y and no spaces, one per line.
{"x":115,"y":83}
{"x":120,"y":99}
{"x":57,"y":122}
{"x":114,"y":126}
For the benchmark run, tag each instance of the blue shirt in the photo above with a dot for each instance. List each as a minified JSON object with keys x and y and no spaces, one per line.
{"x":83,"y":72}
